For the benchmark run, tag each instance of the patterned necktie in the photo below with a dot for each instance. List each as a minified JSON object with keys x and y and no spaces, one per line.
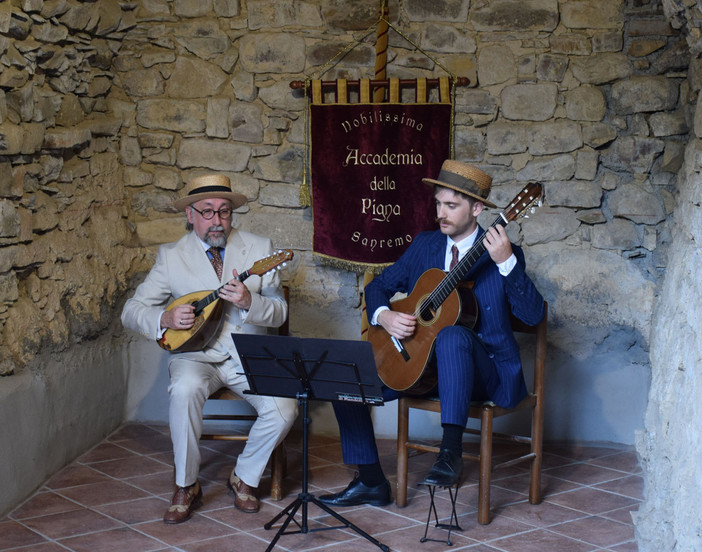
{"x":216,"y":261}
{"x":454,"y":257}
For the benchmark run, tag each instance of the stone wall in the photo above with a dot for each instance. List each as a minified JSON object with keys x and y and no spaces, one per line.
{"x":670,"y":518}
{"x":65,"y":252}
{"x":591,"y":101}
{"x":107,"y":108}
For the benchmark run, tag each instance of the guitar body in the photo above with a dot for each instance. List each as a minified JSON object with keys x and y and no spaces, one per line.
{"x":416,"y":374}
{"x":206,"y":326}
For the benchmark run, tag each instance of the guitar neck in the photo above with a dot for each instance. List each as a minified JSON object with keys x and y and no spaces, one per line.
{"x":456,"y":275}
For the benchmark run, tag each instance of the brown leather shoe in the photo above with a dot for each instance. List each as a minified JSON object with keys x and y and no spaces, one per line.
{"x":184,"y":502}
{"x":244,"y":498}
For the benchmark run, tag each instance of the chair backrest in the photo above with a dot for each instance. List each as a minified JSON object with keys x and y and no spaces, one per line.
{"x":284,"y":328}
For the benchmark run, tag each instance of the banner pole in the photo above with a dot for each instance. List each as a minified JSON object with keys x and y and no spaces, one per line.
{"x":381,"y":58}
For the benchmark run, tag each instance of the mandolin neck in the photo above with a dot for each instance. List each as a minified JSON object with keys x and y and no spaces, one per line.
{"x":212,"y":297}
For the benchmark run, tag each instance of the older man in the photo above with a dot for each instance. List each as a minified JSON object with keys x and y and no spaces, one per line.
{"x":211,"y":255}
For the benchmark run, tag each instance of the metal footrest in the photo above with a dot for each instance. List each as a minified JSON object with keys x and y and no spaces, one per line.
{"x":452,"y":525}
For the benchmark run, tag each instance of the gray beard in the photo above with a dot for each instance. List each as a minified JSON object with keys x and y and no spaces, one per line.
{"x":215,"y":242}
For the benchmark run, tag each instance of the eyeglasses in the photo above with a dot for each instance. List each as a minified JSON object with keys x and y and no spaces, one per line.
{"x":208,"y":214}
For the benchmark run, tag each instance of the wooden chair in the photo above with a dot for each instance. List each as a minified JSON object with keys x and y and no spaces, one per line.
{"x":278,"y":458}
{"x":486,"y":412}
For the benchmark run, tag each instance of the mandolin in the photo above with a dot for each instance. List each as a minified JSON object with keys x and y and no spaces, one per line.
{"x":439,"y":299}
{"x":208,"y":310}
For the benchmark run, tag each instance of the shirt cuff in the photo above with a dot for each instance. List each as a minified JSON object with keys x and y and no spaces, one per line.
{"x":506,"y":267}
{"x":374,"y":320}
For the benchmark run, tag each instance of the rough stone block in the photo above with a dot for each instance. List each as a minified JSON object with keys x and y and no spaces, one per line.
{"x":529,"y":102}
{"x":218,"y":117}
{"x":175,"y":115}
{"x":585,"y":103}
{"x":638,"y":202}
{"x":560,"y":167}
{"x":272,"y":53}
{"x":643,"y":95}
{"x":219,"y":156}
{"x":193,"y":78}
{"x":580,"y":194}
{"x":9,"y":219}
{"x":558,"y":136}
{"x":523,"y":15}
{"x":618,"y":234}
{"x":601,"y":68}
{"x":504,"y":137}
{"x":587,"y":14}
{"x":571,"y":44}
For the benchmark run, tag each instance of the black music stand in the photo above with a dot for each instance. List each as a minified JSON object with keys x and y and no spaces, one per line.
{"x":320,"y":369}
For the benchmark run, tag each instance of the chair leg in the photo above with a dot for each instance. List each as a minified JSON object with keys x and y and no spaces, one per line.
{"x":485,"y":466}
{"x":537,"y":422}
{"x":402,"y":436}
{"x":278,"y":464}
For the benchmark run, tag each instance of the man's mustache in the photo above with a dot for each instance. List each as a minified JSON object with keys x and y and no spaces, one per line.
{"x":216,"y":229}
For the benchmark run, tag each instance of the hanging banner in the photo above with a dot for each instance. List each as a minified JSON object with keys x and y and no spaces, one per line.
{"x":367,"y":164}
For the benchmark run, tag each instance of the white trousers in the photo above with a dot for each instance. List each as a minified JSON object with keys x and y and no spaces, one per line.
{"x":192,"y":381}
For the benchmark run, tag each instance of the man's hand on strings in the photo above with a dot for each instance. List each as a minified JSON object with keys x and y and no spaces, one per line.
{"x":397,"y":324}
{"x":236,"y":292}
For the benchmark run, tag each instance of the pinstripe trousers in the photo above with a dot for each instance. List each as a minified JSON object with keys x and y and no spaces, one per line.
{"x":466,"y":372}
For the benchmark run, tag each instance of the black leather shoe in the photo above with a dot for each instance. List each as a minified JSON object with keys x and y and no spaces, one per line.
{"x":446,"y":471}
{"x":357,"y":493}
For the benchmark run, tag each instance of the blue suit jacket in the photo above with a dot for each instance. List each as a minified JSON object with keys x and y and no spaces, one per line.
{"x":496,"y":295}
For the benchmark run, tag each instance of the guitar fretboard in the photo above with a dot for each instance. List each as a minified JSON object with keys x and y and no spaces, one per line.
{"x":435,"y":299}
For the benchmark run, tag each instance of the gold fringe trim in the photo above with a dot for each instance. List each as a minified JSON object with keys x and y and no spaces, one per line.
{"x":351,"y":266}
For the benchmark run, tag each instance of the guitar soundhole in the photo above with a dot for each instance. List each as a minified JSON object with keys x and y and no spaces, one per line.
{"x":427,"y":314}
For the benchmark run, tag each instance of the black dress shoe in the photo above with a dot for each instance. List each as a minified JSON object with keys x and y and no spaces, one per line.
{"x":357,"y":493}
{"x":446,"y":471}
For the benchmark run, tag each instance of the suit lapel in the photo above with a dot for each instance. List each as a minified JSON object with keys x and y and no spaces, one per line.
{"x":237,"y":256}
{"x":437,"y":250}
{"x":195,"y":260}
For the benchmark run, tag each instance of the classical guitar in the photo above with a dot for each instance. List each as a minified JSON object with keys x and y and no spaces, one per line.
{"x":208,"y":309}
{"x":439,"y":299}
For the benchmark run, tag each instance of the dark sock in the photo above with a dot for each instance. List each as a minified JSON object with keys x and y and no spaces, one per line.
{"x":371,"y":475}
{"x":452,"y":438}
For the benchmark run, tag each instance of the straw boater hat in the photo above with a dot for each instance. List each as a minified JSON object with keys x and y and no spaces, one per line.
{"x":464,"y":178}
{"x":207,"y":187}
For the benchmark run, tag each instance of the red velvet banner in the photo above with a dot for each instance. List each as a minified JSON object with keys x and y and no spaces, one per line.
{"x":367,"y":165}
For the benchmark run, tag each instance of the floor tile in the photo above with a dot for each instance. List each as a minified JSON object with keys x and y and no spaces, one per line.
{"x":113,"y":498}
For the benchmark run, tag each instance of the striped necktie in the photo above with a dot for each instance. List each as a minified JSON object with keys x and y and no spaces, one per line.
{"x":454,"y":257}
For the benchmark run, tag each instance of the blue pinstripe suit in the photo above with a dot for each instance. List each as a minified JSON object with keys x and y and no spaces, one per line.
{"x":479,"y":364}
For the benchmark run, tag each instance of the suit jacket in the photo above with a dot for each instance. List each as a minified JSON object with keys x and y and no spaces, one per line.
{"x":183,"y":267}
{"x":496,"y":295}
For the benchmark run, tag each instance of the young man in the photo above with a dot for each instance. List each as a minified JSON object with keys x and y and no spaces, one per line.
{"x":212,"y":253}
{"x":482,"y":363}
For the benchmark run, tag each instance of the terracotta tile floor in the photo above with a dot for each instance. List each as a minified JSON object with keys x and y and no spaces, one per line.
{"x":112,"y":499}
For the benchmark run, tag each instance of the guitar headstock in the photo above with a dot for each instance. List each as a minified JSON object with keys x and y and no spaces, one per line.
{"x":530,"y":195}
{"x":269,"y":263}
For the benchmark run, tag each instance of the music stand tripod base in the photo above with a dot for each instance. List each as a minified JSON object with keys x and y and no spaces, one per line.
{"x":322,"y":369}
{"x":452,"y":525}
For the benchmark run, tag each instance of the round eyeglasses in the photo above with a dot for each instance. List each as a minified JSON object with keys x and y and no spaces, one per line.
{"x":208,"y":214}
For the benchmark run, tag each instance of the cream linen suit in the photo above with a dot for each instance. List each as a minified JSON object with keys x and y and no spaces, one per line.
{"x":181,"y":268}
